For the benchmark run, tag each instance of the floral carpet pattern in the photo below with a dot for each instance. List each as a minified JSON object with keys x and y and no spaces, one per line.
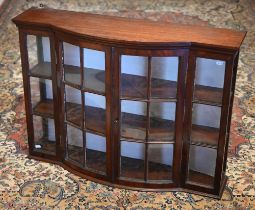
{"x":30,"y":184}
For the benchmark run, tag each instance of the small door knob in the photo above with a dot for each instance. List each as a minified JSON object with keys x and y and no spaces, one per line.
{"x":116,"y":121}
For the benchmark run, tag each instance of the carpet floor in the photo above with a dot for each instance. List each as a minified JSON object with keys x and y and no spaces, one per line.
{"x":30,"y":184}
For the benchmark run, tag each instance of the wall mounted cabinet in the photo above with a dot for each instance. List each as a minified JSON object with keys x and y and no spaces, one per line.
{"x":129,"y":103}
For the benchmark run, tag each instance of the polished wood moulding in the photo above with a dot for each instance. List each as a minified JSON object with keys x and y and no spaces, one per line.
{"x":130,"y":103}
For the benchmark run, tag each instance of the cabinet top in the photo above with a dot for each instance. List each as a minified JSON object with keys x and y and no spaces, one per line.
{"x":130,"y":31}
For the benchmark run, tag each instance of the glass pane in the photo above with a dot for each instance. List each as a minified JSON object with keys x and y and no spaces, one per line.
{"x":95,"y":113}
{"x":209,"y":80}
{"x":205,"y":125}
{"x":44,"y":134}
{"x":162,"y":121}
{"x":41,"y":96}
{"x":160,"y":161}
{"x":134,"y":70}
{"x":72,"y":71}
{"x":132,"y":160}
{"x":164,"y":74}
{"x":133,"y":119}
{"x":39,"y":57}
{"x":94,"y":69}
{"x":96,"y":152}
{"x":75,"y":144}
{"x":73,"y":105}
{"x":202,"y":163}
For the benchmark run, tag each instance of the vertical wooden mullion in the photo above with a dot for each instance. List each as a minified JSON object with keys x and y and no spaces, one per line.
{"x":27,"y":87}
{"x":60,"y":87}
{"x":64,"y":102}
{"x":188,"y":116}
{"x":83,"y":106}
{"x":54,"y":87}
{"x":148,"y":119}
{"x":116,"y":111}
{"x":109,"y":69}
{"x":179,"y":118}
{"x":223,"y":128}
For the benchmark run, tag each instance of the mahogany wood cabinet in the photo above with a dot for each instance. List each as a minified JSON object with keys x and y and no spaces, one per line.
{"x":129,"y":103}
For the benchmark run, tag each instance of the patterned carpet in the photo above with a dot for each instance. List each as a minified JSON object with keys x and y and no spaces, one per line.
{"x":30,"y":184}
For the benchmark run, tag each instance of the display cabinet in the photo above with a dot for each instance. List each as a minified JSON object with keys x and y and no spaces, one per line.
{"x":129,"y":103}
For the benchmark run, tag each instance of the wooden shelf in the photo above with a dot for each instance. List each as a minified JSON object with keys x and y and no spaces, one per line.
{"x":44,"y":108}
{"x":208,"y":95}
{"x":41,"y":70}
{"x":75,"y":153}
{"x":200,"y":179}
{"x":134,"y":127}
{"x":95,"y":160}
{"x":94,"y":117}
{"x":134,"y":86}
{"x":46,"y":145}
{"x":94,"y":79}
{"x":133,"y":168}
{"x":204,"y":136}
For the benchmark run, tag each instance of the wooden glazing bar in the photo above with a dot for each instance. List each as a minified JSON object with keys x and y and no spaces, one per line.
{"x":83,"y":105}
{"x":60,"y":90}
{"x":146,"y":166}
{"x":149,"y":100}
{"x":188,"y":118}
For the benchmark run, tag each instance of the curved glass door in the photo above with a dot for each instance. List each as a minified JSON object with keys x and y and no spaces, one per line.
{"x":85,"y":107}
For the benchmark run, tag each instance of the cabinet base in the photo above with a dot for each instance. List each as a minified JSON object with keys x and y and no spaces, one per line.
{"x":108,"y":183}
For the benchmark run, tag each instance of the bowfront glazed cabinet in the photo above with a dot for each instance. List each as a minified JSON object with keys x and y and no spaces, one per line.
{"x":145,"y":108}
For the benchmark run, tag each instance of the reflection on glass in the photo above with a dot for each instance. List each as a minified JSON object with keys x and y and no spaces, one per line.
{"x":133,"y":119}
{"x":205,"y":124}
{"x":75,"y":144}
{"x":209,"y":80}
{"x":164,"y":74}
{"x":162,"y":121}
{"x":202,"y":162}
{"x":132,"y":160}
{"x":134,"y":71}
{"x":44,"y":135}
{"x":95,"y":115}
{"x":160,"y":161}
{"x":96,"y":152}
{"x":94,"y":69}
{"x":72,"y":72}
{"x":93,"y":79}
{"x":73,"y":105}
{"x":41,"y":96}
{"x":39,"y":57}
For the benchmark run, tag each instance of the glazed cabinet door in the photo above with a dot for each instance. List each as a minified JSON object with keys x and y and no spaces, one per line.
{"x":39,"y":74}
{"x":148,"y":111}
{"x":85,"y":94}
{"x":207,"y":117}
